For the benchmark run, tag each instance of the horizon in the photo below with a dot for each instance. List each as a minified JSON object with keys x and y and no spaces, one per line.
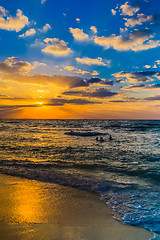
{"x":66,"y":60}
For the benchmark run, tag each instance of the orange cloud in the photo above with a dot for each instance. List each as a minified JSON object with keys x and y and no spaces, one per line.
{"x":13,"y":65}
{"x":128,"y":9}
{"x":28,"y":33}
{"x":78,"y":34}
{"x":92,"y":61}
{"x":94,"y":29}
{"x":13,"y":23}
{"x":56,"y":47}
{"x":137,"y":40}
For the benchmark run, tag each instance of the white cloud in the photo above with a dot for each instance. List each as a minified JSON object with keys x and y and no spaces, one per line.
{"x":92,"y":61}
{"x":154,"y":66}
{"x":128,"y":9}
{"x":28,"y":33}
{"x":56,"y":47}
{"x":113,"y":11}
{"x":43,"y":1}
{"x":78,"y":34}
{"x":11,"y":23}
{"x":3,"y":11}
{"x":147,"y":66}
{"x":80,"y":72}
{"x":94,"y":29}
{"x":69,"y":68}
{"x":137,"y":40}
{"x":138,"y":20}
{"x":45,"y":28}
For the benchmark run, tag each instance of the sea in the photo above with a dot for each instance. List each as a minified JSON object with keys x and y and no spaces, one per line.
{"x":124,"y":170}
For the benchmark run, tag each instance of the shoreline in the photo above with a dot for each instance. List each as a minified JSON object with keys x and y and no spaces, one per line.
{"x":43,"y":211}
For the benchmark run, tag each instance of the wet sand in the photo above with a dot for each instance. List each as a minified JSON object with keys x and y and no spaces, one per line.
{"x":32,"y":210}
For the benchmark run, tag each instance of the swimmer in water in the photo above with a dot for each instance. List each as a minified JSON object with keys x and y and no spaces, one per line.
{"x":110,"y":137}
{"x":101,"y":139}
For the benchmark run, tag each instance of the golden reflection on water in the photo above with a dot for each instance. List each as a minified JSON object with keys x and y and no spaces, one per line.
{"x":27,"y":201}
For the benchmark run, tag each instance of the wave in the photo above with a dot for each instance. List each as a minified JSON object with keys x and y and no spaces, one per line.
{"x":130,"y":203}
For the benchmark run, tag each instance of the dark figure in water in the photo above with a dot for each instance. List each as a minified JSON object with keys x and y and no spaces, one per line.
{"x":101,"y":139}
{"x":110,"y":137}
{"x":97,"y":139}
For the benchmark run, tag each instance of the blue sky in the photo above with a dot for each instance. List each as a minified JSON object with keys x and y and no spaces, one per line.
{"x":80,"y":59}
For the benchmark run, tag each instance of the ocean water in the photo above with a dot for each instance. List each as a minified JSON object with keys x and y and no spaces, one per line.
{"x":125,"y":171}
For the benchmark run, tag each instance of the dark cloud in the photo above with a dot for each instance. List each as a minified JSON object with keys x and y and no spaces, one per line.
{"x":157,"y":85}
{"x":58,"y":80}
{"x":120,"y":80}
{"x":153,"y":98}
{"x":94,"y":80}
{"x":96,"y":93}
{"x":61,"y":102}
{"x":13,"y":65}
{"x":45,"y":102}
{"x":151,"y":86}
{"x":100,"y":81}
{"x":142,"y":76}
{"x":117,"y":101}
{"x":127,"y":99}
{"x":139,"y":34}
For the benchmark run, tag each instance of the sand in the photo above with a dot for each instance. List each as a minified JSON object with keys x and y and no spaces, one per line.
{"x":32,"y":210}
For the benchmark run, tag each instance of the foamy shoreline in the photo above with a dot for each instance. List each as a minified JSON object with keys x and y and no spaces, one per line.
{"x":37,"y":210}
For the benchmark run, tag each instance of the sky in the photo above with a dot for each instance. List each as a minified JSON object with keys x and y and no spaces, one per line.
{"x":83,"y":59}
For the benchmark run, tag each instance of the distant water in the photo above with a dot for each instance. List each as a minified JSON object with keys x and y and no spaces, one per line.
{"x":125,"y":171}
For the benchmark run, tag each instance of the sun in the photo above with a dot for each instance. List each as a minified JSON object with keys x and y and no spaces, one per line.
{"x":40,"y":103}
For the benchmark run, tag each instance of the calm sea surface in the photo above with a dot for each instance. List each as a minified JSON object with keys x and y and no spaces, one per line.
{"x":125,"y":171}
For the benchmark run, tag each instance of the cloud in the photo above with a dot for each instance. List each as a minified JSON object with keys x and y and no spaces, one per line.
{"x":38,"y":64}
{"x":43,"y":1}
{"x":153,"y":98}
{"x":78,"y":19}
{"x":13,"y":65}
{"x":113,"y":11}
{"x":138,"y":20}
{"x":147,"y":66}
{"x":12,"y":107}
{"x":78,"y":34}
{"x":96,"y":93}
{"x":69,"y":68}
{"x":11,"y":23}
{"x":56,"y":47}
{"x":61,"y":102}
{"x":13,"y":69}
{"x":80,"y":72}
{"x":28,"y":33}
{"x":137,"y":40}
{"x":3,"y":11}
{"x":94,"y":29}
{"x":143,"y":86}
{"x":45,"y":28}
{"x":128,"y":10}
{"x":92,"y":61}
{"x":100,"y":81}
{"x":57,"y":80}
{"x":135,"y":77}
{"x":46,"y":102}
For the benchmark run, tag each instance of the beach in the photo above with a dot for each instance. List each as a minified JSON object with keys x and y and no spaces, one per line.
{"x":43,"y":211}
